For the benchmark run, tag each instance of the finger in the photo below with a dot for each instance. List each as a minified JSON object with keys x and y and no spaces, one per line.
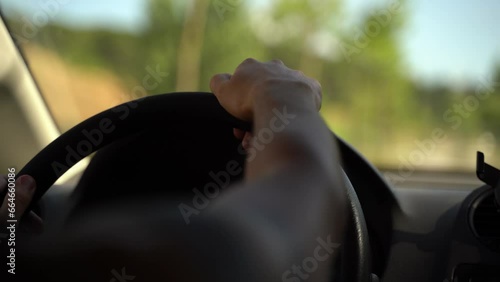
{"x":24,"y":194}
{"x":245,"y":65}
{"x":217,"y":81}
{"x":319,"y":96}
{"x":25,"y":188}
{"x":277,"y":61}
{"x":238,"y":133}
{"x":249,"y":61}
{"x":247,"y":140}
{"x":4,"y":206}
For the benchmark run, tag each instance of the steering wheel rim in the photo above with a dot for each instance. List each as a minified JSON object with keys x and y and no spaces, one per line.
{"x":116,"y":123}
{"x":133,"y":117}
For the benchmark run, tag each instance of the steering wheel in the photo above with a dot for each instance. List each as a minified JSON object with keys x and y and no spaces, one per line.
{"x":188,"y":108}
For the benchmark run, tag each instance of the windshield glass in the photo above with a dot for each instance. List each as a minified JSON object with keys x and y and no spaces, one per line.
{"x":412,"y":84}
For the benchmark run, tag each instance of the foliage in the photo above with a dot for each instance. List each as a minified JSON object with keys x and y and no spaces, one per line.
{"x":369,"y":97}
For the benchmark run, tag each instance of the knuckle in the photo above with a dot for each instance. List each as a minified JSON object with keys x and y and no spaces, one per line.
{"x":317,"y":84}
{"x":214,"y":82}
{"x":249,"y":61}
{"x":300,"y":73}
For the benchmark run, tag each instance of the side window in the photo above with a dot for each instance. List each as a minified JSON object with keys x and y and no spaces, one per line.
{"x":17,"y":141}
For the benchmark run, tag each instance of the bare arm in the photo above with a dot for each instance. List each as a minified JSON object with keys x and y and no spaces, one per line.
{"x":293,"y":193}
{"x":289,"y":210}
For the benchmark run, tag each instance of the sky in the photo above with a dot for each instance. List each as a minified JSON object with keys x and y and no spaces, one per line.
{"x":450,"y":40}
{"x":445,"y":40}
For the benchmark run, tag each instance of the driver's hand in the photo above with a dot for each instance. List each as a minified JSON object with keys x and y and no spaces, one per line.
{"x":237,"y":93}
{"x":24,"y":191}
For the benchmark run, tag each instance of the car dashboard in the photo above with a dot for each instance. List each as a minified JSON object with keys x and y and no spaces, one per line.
{"x":433,"y":239}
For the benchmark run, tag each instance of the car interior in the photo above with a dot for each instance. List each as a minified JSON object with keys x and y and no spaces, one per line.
{"x":400,"y":227}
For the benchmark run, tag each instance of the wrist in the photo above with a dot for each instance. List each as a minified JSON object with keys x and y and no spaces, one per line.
{"x":297,"y":95}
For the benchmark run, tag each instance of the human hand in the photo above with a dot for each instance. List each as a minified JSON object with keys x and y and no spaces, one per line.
{"x":254,"y":80}
{"x":24,"y":190}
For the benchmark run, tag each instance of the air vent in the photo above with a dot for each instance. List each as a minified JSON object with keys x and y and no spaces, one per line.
{"x":485,"y":220}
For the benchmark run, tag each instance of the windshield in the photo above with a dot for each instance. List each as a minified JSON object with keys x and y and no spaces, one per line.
{"x":413,"y":84}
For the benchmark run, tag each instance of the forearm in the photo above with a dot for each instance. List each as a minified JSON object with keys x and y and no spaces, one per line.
{"x":293,"y":192}
{"x":290,"y":131}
